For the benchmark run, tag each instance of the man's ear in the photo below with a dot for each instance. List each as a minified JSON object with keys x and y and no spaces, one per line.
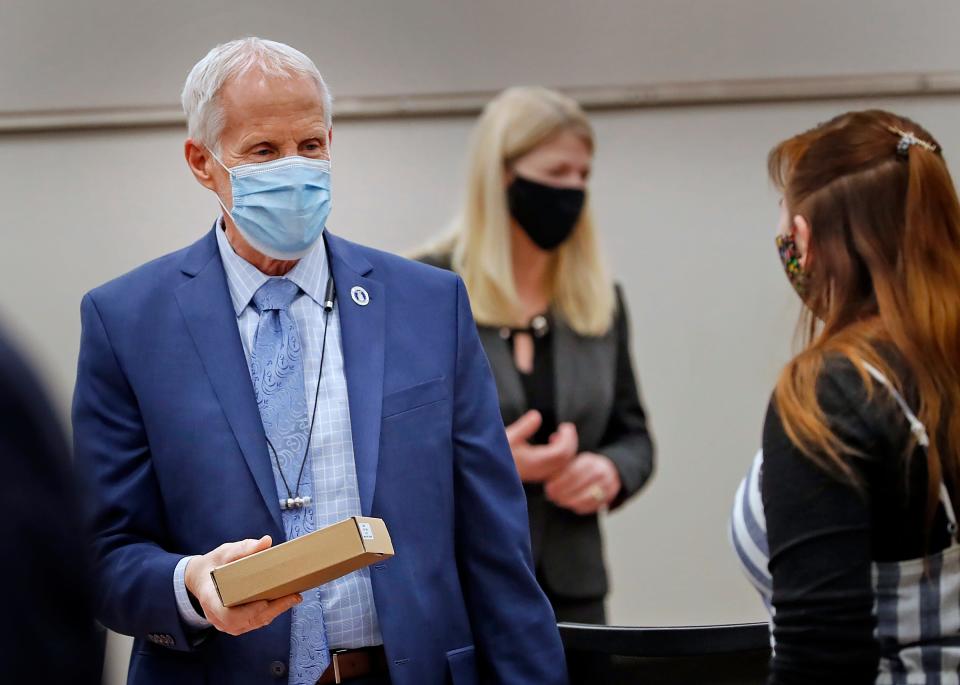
{"x":801,"y":231}
{"x":200,"y":162}
{"x":330,"y":136}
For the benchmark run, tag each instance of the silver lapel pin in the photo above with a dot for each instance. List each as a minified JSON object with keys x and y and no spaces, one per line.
{"x":360,"y":296}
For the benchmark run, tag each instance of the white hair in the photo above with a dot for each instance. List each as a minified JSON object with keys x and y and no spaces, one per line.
{"x":230,"y":60}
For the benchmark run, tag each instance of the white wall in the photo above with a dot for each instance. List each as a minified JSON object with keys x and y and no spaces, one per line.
{"x":110,"y":52}
{"x":685,"y":210}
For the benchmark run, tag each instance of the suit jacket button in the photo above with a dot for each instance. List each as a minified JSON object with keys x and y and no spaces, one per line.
{"x":278,"y":669}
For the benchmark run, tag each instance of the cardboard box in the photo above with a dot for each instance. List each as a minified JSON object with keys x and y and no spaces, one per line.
{"x":304,"y":562}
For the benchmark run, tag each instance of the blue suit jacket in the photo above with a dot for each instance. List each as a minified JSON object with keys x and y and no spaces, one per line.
{"x":168,"y":434}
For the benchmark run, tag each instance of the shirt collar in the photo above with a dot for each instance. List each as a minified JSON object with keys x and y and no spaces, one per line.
{"x":244,"y":279}
{"x":311,"y":272}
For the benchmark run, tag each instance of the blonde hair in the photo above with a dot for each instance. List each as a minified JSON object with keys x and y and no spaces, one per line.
{"x":512,"y":124}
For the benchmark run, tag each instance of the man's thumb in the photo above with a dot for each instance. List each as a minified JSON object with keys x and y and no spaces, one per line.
{"x":245,"y":548}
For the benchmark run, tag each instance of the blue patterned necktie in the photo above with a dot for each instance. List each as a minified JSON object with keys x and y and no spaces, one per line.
{"x":276,"y":367}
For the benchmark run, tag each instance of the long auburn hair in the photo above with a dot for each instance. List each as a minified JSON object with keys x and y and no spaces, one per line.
{"x":884,"y":273}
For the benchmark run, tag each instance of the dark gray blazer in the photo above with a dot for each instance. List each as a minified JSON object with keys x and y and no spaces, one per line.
{"x":597,"y":391}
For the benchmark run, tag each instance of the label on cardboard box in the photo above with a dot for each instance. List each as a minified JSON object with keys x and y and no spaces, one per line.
{"x":304,"y":562}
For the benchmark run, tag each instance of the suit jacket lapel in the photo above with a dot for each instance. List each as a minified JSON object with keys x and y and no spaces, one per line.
{"x":206,"y":306}
{"x":362,"y":329}
{"x":565,"y":371}
{"x":585,"y":378}
{"x":513,"y":400}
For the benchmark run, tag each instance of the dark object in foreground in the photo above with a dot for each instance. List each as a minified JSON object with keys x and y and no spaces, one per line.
{"x":706,"y":655}
{"x":49,"y":635}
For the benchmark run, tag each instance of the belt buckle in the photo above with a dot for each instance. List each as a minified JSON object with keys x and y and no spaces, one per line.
{"x":335,"y":658}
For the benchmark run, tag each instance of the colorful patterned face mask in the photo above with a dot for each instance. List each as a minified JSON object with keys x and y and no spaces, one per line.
{"x":790,"y":256}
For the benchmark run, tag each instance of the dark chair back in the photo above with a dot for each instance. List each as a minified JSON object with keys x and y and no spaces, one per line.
{"x":692,"y":655}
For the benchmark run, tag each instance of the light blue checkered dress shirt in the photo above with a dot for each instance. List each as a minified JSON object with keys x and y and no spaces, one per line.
{"x":349,"y":613}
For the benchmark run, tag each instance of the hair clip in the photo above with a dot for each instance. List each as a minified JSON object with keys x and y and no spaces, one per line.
{"x":907,"y":139}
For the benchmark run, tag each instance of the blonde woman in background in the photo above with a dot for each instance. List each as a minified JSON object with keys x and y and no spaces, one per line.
{"x":555,"y":331}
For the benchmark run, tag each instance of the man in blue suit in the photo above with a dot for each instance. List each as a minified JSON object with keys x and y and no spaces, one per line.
{"x":272,"y":379}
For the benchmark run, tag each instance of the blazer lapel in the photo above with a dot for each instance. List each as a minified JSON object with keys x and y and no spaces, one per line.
{"x":206,"y":306}
{"x":362,"y":329}
{"x":584,"y":369}
{"x":566,"y":372}
{"x":513,"y":400}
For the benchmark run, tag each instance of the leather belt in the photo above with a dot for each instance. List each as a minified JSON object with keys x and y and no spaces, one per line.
{"x":350,"y":664}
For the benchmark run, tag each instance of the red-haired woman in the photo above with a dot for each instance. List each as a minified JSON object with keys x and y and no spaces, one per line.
{"x":845,"y":523}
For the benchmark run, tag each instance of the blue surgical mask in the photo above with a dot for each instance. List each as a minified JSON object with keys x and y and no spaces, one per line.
{"x":281,"y":207}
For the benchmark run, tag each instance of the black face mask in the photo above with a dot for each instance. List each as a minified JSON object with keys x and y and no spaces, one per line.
{"x":546,"y":213}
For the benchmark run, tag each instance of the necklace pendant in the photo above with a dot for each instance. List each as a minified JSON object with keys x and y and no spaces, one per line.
{"x":294,"y":503}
